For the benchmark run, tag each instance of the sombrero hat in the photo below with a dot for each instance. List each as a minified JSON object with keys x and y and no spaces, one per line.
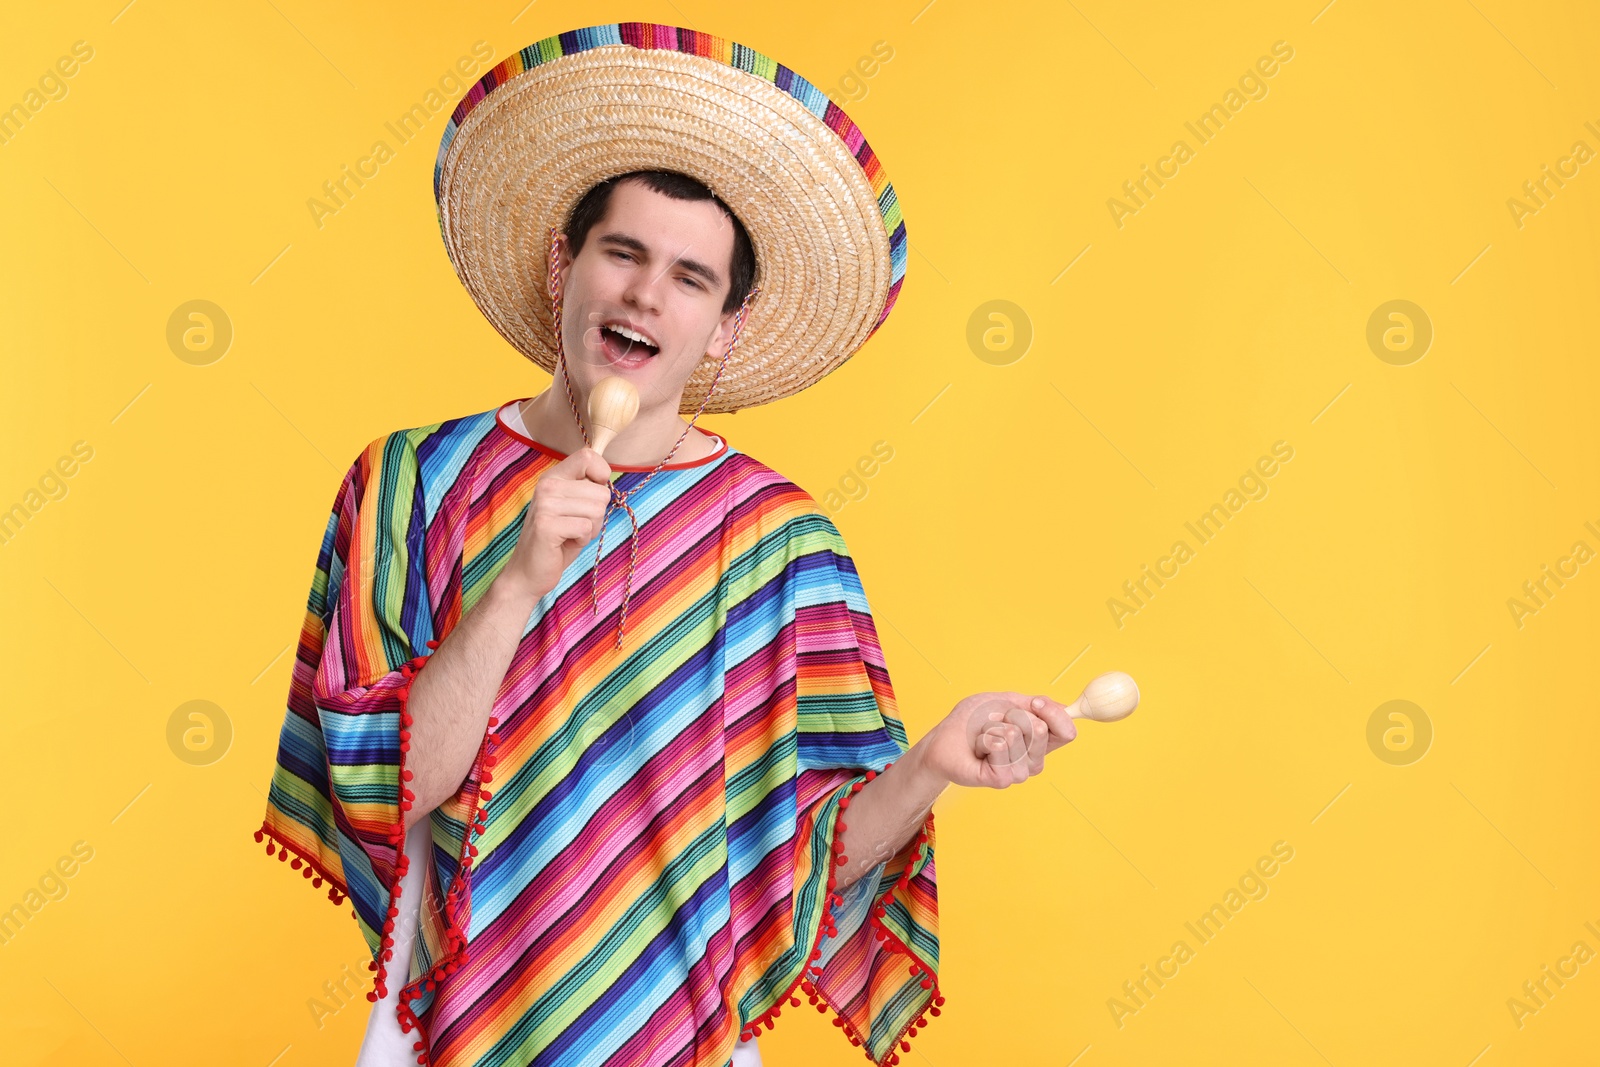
{"x":536,"y":132}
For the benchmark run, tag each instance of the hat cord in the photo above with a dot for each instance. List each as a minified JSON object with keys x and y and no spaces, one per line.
{"x":619,"y":498}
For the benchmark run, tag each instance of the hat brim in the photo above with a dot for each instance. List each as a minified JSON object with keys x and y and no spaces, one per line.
{"x":523,"y":150}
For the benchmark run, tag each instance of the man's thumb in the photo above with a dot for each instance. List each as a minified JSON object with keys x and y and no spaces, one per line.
{"x":594,"y":468}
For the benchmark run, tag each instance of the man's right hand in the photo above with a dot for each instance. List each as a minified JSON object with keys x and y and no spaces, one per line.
{"x":566,"y":513}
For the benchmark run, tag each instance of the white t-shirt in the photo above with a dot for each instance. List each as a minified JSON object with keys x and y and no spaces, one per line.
{"x":385,"y":1045}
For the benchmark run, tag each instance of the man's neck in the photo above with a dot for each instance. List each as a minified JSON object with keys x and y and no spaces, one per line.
{"x":645,"y":442}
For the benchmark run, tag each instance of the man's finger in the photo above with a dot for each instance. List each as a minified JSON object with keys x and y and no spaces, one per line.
{"x":1035,"y":742}
{"x":1014,"y":760}
{"x":595,"y":467}
{"x":577,"y":497}
{"x":1062,"y":726}
{"x":1040,"y":745}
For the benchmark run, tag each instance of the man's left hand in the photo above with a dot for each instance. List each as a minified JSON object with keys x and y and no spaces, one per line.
{"x":996,"y":739}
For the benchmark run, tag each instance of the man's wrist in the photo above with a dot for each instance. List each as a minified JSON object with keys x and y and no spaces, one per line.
{"x":921,"y":780}
{"x":510,"y":586}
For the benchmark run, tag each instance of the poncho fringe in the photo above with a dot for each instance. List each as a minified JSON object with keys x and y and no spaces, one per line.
{"x":803,"y":982}
{"x":881,"y":932}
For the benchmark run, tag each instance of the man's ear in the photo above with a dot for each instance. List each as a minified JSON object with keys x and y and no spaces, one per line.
{"x":721,"y":336}
{"x":564,"y":254}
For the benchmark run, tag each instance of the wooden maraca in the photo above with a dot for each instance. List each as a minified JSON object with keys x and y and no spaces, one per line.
{"x":1107,"y":698}
{"x":612,"y":405}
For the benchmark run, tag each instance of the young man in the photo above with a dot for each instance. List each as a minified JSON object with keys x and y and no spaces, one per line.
{"x":577,"y":735}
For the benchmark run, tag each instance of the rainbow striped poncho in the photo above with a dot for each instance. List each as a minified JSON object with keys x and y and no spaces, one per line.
{"x":639,"y":869}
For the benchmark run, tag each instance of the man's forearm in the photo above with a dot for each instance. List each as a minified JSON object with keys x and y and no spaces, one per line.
{"x":885,"y":815}
{"x":453,"y":693}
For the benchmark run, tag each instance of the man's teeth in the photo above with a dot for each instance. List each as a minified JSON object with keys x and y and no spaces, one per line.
{"x":632,"y":335}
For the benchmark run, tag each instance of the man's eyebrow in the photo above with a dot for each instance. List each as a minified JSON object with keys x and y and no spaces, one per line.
{"x":633,"y":244}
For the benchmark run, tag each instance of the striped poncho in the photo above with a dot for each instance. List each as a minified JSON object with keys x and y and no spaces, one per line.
{"x":639,"y":868}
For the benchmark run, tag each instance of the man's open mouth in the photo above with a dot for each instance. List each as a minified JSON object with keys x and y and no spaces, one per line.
{"x":626,"y":346}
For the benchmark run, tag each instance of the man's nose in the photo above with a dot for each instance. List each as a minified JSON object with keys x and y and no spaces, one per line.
{"x":644,"y":288}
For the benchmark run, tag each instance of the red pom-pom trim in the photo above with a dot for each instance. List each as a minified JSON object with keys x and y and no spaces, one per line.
{"x":308,"y":867}
{"x":455,"y":940}
{"x":459,"y":895}
{"x":829,"y":928}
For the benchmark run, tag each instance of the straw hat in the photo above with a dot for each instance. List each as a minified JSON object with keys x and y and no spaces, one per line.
{"x":531,"y":137}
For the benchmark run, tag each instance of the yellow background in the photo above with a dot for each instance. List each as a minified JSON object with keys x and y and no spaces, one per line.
{"x":1230,"y":312}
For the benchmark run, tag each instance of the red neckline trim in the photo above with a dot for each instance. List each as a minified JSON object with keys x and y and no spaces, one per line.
{"x":499,"y":420}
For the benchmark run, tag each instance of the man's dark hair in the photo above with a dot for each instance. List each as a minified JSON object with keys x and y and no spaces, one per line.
{"x":592,"y":208}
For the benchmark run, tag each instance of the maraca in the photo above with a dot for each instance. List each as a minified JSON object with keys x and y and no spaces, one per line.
{"x":612,"y":405}
{"x":1107,"y":698}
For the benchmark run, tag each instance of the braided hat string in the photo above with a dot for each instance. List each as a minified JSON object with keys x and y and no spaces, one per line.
{"x":619,"y":498}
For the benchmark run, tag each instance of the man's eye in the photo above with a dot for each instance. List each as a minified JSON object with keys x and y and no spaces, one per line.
{"x":616,"y":252}
{"x":691,"y":281}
